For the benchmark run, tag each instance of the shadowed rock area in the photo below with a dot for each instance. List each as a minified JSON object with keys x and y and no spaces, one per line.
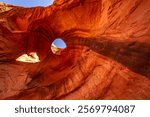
{"x":107,"y":54}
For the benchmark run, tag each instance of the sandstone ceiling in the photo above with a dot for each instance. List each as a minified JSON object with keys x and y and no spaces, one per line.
{"x":107,"y":54}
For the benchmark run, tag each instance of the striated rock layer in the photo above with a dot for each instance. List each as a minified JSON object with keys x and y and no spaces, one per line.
{"x":107,"y":54}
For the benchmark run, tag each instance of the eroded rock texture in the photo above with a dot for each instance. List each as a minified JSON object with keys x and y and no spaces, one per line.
{"x":107,"y":54}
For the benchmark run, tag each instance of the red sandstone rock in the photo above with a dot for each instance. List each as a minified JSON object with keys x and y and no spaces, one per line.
{"x":107,"y":55}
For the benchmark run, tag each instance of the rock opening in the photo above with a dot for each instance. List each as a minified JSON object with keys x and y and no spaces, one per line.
{"x":58,"y":45}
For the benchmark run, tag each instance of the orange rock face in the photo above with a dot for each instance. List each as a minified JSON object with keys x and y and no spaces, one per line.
{"x":107,"y":54}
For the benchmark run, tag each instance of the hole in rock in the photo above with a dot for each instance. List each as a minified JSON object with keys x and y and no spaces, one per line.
{"x":32,"y":57}
{"x":58,"y":45}
{"x":29,"y":3}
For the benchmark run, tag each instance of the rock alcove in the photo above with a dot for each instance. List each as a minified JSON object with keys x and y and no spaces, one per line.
{"x":107,"y":54}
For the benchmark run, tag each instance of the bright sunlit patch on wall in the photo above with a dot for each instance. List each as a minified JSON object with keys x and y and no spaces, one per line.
{"x":31,"y":58}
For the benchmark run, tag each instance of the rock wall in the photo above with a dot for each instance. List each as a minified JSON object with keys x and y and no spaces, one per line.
{"x":107,"y":54}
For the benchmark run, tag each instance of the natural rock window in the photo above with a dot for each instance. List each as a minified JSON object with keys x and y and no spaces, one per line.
{"x":58,"y":45}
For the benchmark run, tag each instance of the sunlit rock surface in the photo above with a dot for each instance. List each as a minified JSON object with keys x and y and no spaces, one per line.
{"x":31,"y":58}
{"x":107,"y":54}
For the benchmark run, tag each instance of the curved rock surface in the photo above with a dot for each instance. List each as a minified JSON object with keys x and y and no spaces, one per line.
{"x":107,"y":54}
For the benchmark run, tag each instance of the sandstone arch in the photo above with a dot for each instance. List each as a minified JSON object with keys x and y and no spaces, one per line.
{"x":107,"y":55}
